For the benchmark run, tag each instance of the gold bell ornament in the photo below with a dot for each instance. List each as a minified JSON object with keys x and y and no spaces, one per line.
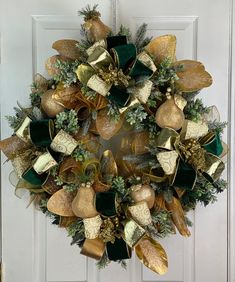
{"x":143,"y":192}
{"x":169,"y":114}
{"x":83,"y":204}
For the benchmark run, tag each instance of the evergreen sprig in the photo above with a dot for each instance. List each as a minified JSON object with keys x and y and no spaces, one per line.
{"x":195,"y":109}
{"x":124,"y":31}
{"x":81,"y":154}
{"x":113,"y":112}
{"x":67,"y":121}
{"x":204,"y":192}
{"x":162,"y":219}
{"x":140,"y":39}
{"x":136,"y":116}
{"x":66,"y":72}
{"x":77,"y":232}
{"x":89,"y":13}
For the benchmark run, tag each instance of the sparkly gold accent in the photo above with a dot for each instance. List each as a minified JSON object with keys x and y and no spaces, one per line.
{"x":109,"y":229}
{"x":115,"y":76}
{"x":193,"y":153}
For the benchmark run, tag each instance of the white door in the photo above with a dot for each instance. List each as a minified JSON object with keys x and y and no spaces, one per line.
{"x":35,"y":251}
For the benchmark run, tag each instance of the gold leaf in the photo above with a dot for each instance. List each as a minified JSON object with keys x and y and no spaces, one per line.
{"x":67,"y":48}
{"x":61,"y":203}
{"x":177,"y":214}
{"x":162,"y":47}
{"x":152,"y":255}
{"x":192,"y":77}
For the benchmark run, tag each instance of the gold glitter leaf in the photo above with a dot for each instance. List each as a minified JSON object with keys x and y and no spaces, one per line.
{"x":178,"y":217}
{"x":192,"y":77}
{"x":152,"y":255}
{"x":162,"y":47}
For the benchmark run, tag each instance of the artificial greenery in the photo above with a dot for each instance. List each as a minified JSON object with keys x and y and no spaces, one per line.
{"x":194,"y":110}
{"x":119,"y":186}
{"x":67,"y":121}
{"x":165,"y":74}
{"x":89,"y":13}
{"x":135,"y":116}
{"x":103,"y":262}
{"x":140,"y":39}
{"x":125,"y":31}
{"x":113,"y":112}
{"x":66,"y":72}
{"x":77,"y":232}
{"x":16,"y":120}
{"x":163,"y":222}
{"x":81,"y":154}
{"x":204,"y":192}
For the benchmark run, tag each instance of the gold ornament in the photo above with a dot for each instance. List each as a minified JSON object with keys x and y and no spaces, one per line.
{"x":49,"y":105}
{"x":143,"y":192}
{"x":169,"y":114}
{"x":83,"y":204}
{"x":96,"y":29}
{"x":67,"y":48}
{"x":61,"y":203}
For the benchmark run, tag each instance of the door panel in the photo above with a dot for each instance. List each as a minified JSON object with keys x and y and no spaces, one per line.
{"x":33,"y":249}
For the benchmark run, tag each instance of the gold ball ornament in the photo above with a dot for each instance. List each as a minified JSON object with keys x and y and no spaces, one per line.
{"x":143,"y":192}
{"x":169,"y":114}
{"x":49,"y":105}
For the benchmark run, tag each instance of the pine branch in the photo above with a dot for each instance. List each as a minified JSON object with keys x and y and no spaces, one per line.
{"x":194,"y":110}
{"x":89,"y":13}
{"x":103,"y":262}
{"x":67,"y":121}
{"x":140,"y":39}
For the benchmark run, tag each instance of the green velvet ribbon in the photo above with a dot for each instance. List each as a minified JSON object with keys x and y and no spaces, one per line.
{"x":106,"y":203}
{"x":215,"y":146}
{"x":41,"y":132}
{"x":125,"y":56}
{"x":33,"y":178}
{"x":118,"y":250}
{"x":185,"y":176}
{"x":114,"y":41}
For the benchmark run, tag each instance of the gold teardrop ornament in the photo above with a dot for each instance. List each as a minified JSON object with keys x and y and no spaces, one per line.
{"x":177,"y":215}
{"x":192,"y":76}
{"x":152,"y":255}
{"x":170,"y":115}
{"x":61,"y":203}
{"x":162,"y":47}
{"x":67,"y":48}
{"x":143,"y":192}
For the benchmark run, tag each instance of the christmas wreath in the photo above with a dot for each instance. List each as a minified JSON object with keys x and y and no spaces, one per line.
{"x":115,"y":146}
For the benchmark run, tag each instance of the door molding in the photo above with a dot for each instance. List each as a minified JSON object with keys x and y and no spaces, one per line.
{"x":231,"y":138}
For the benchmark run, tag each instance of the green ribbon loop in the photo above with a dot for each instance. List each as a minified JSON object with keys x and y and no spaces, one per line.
{"x":114,"y":41}
{"x":124,"y":55}
{"x":139,"y":70}
{"x":106,"y":203}
{"x":41,"y":132}
{"x":118,"y":250}
{"x":119,"y":96}
{"x":33,"y":178}
{"x":215,"y":146}
{"x":185,"y":176}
